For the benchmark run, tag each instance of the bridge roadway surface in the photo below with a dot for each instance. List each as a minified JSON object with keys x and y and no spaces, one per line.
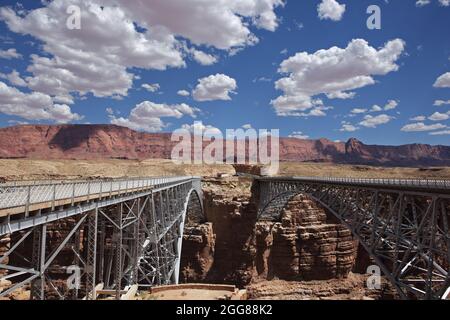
{"x":420,"y":185}
{"x":24,"y":204}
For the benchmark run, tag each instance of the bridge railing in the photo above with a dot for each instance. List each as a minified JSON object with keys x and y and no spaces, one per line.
{"x":33,"y":182}
{"x":425,"y":183}
{"x":25,"y":194}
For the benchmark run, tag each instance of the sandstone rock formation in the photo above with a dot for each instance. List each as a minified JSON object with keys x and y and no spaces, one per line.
{"x":305,"y":245}
{"x":351,"y":288}
{"x":114,"y":142}
{"x":233,"y":218}
{"x":198,"y":253}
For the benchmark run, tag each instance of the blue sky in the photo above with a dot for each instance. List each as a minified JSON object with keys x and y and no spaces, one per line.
{"x":239,"y":74}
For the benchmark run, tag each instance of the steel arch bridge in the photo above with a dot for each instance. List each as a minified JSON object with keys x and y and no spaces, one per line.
{"x":101,"y":236}
{"x":402,"y":224}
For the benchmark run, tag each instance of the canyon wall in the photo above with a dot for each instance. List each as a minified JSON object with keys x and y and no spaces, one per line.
{"x":306,"y":244}
{"x":115,"y":142}
{"x":198,"y":252}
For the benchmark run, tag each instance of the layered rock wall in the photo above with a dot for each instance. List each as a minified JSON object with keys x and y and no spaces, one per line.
{"x":306,"y":244}
{"x":233,"y":218}
{"x":198,"y":253}
{"x":115,"y":142}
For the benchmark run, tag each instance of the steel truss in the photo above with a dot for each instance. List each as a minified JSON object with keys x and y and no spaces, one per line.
{"x":405,"y":231}
{"x":115,"y":243}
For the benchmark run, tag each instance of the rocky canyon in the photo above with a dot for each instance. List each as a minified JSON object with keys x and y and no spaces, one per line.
{"x":306,"y":254}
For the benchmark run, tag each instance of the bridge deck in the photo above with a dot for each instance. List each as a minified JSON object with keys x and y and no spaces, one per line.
{"x":421,"y":185}
{"x":24,"y":196}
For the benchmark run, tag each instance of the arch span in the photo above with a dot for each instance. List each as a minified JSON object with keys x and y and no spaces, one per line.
{"x":273,"y":208}
{"x":404,"y":229}
{"x":163,"y":255}
{"x":192,"y":214}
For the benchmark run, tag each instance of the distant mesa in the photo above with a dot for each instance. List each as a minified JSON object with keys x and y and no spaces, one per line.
{"x":85,"y":142}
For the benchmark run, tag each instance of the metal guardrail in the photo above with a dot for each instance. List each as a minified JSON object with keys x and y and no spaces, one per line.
{"x":420,"y":183}
{"x":25,"y":194}
{"x":33,"y":182}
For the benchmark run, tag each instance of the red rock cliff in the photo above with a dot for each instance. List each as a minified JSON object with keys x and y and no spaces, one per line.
{"x":114,"y":142}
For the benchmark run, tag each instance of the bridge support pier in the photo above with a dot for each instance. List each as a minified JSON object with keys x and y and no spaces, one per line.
{"x":91,"y":258}
{"x":37,"y":261}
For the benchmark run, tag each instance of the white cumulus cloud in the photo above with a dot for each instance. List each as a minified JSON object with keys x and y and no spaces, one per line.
{"x":374,"y":121}
{"x":443,"y":81}
{"x":421,"y":3}
{"x":330,"y":9}
{"x":420,"y":126}
{"x":348,"y":127}
{"x":376,"y":108}
{"x":214,"y":87}
{"x":151,"y":87}
{"x":298,"y":135}
{"x":198,"y":126}
{"x":205,"y":59}
{"x":419,"y":118}
{"x":392,"y":104}
{"x":146,"y":116}
{"x":439,"y":103}
{"x":437,"y":116}
{"x":10,"y":54}
{"x":117,"y":36}
{"x":334,"y":72}
{"x":440,"y":133}
{"x":183,"y":93}
{"x":14,"y":78}
{"x":358,"y":110}
{"x":33,"y":106}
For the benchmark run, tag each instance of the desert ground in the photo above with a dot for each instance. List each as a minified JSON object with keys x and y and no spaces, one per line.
{"x":13,"y":169}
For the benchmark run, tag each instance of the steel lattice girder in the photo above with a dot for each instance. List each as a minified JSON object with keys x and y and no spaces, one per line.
{"x":405,"y":231}
{"x":134,"y":239}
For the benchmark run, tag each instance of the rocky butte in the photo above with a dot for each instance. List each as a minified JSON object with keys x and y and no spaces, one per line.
{"x":114,"y":142}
